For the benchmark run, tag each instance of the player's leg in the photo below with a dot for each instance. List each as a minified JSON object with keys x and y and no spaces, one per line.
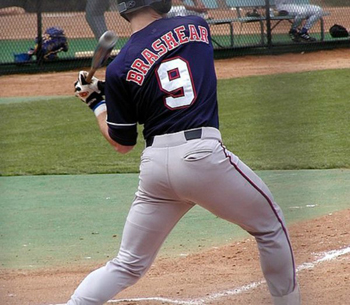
{"x":94,"y":15}
{"x":263,"y":219}
{"x":299,"y":13}
{"x":310,"y":13}
{"x":315,"y":12}
{"x":147,"y":226}
{"x":294,"y":10}
{"x":153,"y":214}
{"x":218,"y":181}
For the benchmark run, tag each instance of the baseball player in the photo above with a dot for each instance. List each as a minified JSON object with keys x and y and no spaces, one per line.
{"x":181,"y":8}
{"x":164,"y":78}
{"x":312,"y":14}
{"x":94,"y":15}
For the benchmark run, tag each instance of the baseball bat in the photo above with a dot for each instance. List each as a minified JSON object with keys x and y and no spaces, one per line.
{"x":103,"y":50}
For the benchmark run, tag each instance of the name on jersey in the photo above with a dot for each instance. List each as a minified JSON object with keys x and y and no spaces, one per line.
{"x":169,"y":41}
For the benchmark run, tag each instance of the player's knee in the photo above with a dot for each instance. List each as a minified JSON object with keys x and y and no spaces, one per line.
{"x":269,"y":233}
{"x":317,"y":11}
{"x":136,"y":268}
{"x":320,"y":13}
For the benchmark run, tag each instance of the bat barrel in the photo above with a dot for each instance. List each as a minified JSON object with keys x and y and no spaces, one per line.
{"x":102,"y":52}
{"x":108,"y":39}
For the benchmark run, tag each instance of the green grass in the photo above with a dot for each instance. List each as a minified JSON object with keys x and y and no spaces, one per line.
{"x":62,"y":220}
{"x":288,"y":121}
{"x":11,"y":46}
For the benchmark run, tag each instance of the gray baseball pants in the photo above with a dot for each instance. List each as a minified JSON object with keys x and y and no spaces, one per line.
{"x":312,"y":14}
{"x":175,"y":174}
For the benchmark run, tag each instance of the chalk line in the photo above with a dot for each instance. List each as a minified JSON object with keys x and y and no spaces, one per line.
{"x":323,"y":257}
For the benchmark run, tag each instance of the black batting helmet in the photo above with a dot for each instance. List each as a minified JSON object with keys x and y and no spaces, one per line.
{"x":128,"y":6}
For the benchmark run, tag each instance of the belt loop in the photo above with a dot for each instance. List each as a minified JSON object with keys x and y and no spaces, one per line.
{"x":193,"y":134}
{"x":187,"y":134}
{"x":149,"y":141}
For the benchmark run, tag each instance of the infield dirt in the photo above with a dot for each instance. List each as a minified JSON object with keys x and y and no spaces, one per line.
{"x":215,"y":270}
{"x":51,"y":84}
{"x":209,"y":272}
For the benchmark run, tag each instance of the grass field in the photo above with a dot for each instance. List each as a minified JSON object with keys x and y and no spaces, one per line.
{"x":75,"y":45}
{"x":291,"y":128}
{"x":288,"y":121}
{"x":12,"y":46}
{"x":53,"y":220}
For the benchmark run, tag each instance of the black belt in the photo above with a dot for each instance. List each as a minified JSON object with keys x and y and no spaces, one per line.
{"x":189,"y":135}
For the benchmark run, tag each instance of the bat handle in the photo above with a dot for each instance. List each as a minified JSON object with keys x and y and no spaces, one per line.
{"x":90,"y":75}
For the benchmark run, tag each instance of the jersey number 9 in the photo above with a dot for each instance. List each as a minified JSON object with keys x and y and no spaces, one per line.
{"x":175,"y":80}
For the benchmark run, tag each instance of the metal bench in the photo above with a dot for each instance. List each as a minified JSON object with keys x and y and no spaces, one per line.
{"x":290,"y":18}
{"x":262,"y":7}
{"x":241,"y":7}
{"x":213,"y":4}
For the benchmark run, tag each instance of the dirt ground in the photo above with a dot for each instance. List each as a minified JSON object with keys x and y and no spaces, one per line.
{"x":218,"y":276}
{"x":62,"y":83}
{"x":215,"y":276}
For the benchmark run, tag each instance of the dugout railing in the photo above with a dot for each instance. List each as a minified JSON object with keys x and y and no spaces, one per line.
{"x":238,"y":27}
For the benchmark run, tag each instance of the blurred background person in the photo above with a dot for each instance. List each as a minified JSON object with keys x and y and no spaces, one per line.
{"x":312,"y":14}
{"x":94,"y":14}
{"x":181,"y":8}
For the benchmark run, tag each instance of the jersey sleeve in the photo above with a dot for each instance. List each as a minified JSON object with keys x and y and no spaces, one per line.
{"x":121,"y":113}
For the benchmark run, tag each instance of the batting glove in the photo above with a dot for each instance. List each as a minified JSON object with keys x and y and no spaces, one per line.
{"x":90,"y":93}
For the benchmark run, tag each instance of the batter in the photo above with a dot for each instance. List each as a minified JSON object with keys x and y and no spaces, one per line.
{"x":164,"y":78}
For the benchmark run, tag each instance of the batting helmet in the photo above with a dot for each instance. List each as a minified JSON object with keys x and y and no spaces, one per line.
{"x":128,"y":6}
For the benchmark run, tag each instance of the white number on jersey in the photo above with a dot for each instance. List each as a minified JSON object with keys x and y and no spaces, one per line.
{"x":175,"y":80}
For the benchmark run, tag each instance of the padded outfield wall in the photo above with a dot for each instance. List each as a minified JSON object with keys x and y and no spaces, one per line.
{"x":21,"y":21}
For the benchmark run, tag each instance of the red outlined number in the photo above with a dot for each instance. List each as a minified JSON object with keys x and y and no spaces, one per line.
{"x":175,"y":79}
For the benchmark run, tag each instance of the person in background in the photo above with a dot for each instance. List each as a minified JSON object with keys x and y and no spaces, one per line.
{"x":94,"y":14}
{"x":312,"y":14}
{"x":181,"y":8}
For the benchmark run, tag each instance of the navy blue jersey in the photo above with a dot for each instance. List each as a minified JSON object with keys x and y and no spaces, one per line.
{"x":163,"y":78}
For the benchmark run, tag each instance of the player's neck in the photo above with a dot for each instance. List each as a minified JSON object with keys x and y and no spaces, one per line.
{"x":138,"y":21}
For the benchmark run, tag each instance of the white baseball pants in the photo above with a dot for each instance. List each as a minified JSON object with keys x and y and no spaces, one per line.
{"x":176,"y":174}
{"x":180,"y":10}
{"x":312,"y":14}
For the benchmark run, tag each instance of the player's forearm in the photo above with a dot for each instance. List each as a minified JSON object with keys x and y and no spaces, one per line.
{"x":92,"y":94}
{"x":101,"y":120}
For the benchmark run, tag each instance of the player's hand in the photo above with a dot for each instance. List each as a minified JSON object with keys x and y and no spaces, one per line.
{"x":90,"y":93}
